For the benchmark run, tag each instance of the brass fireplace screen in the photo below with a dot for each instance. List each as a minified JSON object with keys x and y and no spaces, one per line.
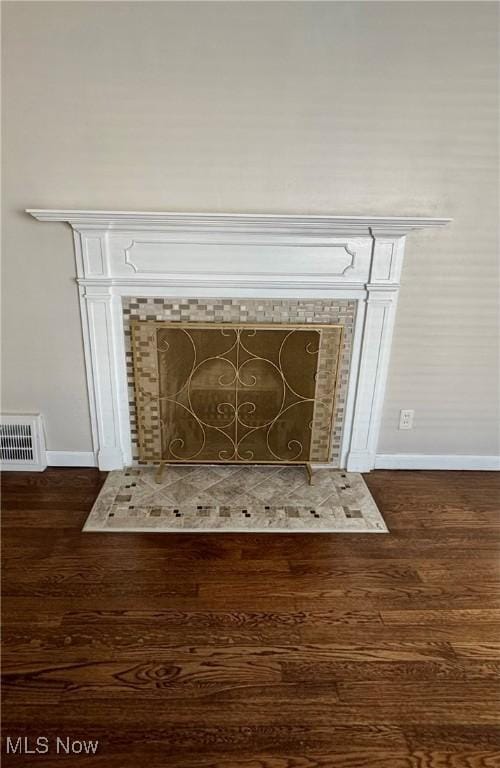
{"x":234,"y":393}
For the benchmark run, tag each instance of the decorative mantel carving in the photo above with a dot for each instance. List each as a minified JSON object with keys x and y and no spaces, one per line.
{"x":120,"y":253}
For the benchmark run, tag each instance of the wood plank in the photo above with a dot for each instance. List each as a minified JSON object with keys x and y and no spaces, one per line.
{"x":446,"y":617}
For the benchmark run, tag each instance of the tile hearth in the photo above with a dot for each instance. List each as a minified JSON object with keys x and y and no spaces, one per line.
{"x":228,"y":498}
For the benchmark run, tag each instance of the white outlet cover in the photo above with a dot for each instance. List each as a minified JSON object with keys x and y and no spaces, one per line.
{"x":406,"y":419}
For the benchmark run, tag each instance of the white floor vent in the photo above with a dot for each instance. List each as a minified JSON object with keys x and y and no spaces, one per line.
{"x":22,"y":442}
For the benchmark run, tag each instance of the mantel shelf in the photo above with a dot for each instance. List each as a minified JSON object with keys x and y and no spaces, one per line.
{"x":252,"y":223}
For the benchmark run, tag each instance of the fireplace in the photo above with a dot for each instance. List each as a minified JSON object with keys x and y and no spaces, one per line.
{"x":234,"y":393}
{"x":245,"y":270}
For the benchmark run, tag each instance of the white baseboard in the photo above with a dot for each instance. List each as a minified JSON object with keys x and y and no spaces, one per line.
{"x":435,"y":461}
{"x":382,"y":461}
{"x":71,"y":459}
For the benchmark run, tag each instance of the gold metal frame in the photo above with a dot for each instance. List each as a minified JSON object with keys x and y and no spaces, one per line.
{"x":227,"y":329}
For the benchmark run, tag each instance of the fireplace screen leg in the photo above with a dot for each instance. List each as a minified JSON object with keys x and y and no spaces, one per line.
{"x":159,"y":472}
{"x":310,"y":473}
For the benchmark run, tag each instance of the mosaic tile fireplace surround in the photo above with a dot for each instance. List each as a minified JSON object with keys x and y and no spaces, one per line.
{"x":253,"y":312}
{"x":245,"y":269}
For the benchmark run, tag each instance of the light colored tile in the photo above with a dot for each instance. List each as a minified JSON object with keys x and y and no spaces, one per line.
{"x":274,"y":499}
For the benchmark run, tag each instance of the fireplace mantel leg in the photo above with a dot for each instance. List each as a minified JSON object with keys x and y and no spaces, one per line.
{"x":102,"y":330}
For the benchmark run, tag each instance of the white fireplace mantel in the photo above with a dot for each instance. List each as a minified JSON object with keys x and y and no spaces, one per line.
{"x":120,"y":253}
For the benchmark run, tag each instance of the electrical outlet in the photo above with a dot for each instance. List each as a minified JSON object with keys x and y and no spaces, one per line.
{"x":406,"y":419}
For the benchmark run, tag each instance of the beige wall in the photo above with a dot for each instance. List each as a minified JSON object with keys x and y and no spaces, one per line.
{"x":343,"y":108}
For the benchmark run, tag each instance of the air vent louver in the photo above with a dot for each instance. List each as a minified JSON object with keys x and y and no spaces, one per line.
{"x":22,"y":443}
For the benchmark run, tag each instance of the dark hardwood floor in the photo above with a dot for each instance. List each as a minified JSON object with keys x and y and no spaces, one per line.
{"x":256,"y":651}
